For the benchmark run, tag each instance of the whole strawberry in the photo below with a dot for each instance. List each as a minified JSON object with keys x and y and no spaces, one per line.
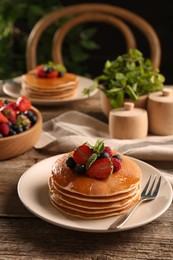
{"x":9,"y":113}
{"x":23,"y":104}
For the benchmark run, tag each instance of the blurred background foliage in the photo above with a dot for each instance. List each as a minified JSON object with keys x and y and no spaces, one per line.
{"x":87,"y":48}
{"x":16,"y":22}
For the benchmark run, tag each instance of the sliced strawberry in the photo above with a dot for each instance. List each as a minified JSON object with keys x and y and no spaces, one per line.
{"x":53,"y":74}
{"x":101,"y":168}
{"x":116,"y":164}
{"x":3,"y":119}
{"x":4,"y":129}
{"x":23,"y":104}
{"x":82,"y":154}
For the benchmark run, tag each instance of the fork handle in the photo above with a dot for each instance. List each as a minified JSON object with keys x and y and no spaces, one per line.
{"x":124,"y":217}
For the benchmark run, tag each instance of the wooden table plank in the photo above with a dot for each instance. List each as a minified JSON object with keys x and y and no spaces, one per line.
{"x":152,"y":241}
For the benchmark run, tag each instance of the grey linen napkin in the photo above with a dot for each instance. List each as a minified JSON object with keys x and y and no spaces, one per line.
{"x":69,"y":130}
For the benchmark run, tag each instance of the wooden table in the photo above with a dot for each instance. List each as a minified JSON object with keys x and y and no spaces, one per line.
{"x":24,"y":236}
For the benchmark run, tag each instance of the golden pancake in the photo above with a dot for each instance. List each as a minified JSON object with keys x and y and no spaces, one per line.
{"x":49,"y":88}
{"x":112,"y":198}
{"x":51,"y":96}
{"x":57,"y":196}
{"x":93,"y":215}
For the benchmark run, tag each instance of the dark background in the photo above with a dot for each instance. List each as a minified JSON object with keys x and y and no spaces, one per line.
{"x":158,"y":13}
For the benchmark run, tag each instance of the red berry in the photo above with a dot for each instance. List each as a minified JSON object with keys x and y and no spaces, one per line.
{"x":101,"y":168}
{"x":43,"y":71}
{"x":1,"y":104}
{"x":82,"y":154}
{"x":9,"y":113}
{"x":23,"y":104}
{"x":53,"y":74}
{"x":3,"y":119}
{"x":4,"y":129}
{"x":40,"y":72}
{"x":108,"y":151}
{"x":12,"y":105}
{"x":116,"y":164}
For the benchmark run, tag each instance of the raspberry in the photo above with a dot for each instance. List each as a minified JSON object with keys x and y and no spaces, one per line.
{"x":116,"y":164}
{"x":108,"y":150}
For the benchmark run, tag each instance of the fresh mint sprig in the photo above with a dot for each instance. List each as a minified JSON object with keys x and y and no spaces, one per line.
{"x":128,"y":77}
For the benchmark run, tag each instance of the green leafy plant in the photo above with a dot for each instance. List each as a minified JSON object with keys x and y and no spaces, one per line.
{"x":128,"y":77}
{"x":16,"y":22}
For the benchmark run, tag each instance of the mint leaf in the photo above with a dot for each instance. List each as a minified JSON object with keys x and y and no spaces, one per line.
{"x":90,"y":161}
{"x":98,"y":147}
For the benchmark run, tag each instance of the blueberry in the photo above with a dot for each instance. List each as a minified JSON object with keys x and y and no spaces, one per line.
{"x":6,"y":101}
{"x":10,"y":124}
{"x":103,"y":155}
{"x":80,"y":168}
{"x":60,"y":74}
{"x":17,"y":129}
{"x":28,"y":113}
{"x":33,"y":119}
{"x":12,"y":132}
{"x":70,"y":162}
{"x":118,"y":157}
{"x":25,"y":127}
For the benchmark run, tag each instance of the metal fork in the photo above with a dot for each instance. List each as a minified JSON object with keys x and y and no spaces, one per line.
{"x":145,"y":196}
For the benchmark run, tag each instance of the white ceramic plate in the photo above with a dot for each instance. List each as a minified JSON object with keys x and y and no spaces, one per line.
{"x":12,"y":88}
{"x":33,"y":192}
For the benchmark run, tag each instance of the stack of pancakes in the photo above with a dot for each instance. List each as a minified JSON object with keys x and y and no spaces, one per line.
{"x":49,"y":88}
{"x":91,"y":198}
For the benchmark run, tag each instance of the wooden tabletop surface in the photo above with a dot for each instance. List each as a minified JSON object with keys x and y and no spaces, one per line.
{"x":25,"y":236}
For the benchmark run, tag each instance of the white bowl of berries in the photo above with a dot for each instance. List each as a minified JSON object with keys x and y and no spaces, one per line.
{"x":20,"y":127}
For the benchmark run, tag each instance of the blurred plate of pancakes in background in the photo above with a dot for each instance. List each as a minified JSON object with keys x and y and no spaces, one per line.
{"x":13,"y":89}
{"x":34,"y":194}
